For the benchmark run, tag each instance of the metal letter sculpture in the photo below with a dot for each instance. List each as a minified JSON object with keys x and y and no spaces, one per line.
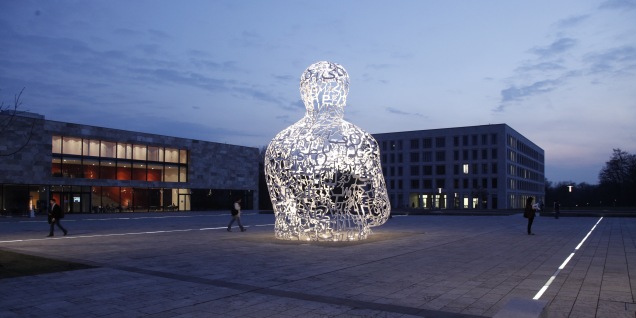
{"x":323,"y":173}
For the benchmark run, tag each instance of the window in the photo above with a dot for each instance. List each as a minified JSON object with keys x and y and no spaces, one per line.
{"x":494,"y":168}
{"x":493,"y":139}
{"x":427,"y":170}
{"x":440,"y":142}
{"x":139,"y":152}
{"x":415,"y":157}
{"x":484,"y":139}
{"x":172,"y":155}
{"x":484,"y":168}
{"x":465,"y":140}
{"x":440,"y":170}
{"x":72,"y":146}
{"x":124,"y":170}
{"x":427,"y":156}
{"x":474,"y":140}
{"x":426,"y":143}
{"x":415,"y":143}
{"x":484,"y":154}
{"x":456,"y":155}
{"x":428,"y":184}
{"x":57,"y":144}
{"x":456,"y":141}
{"x":415,"y":184}
{"x":440,"y":156}
{"x":107,"y":149}
{"x":154,"y":154}
{"x":465,"y":169}
{"x":493,"y":154}
{"x":493,"y":183}
{"x":124,"y":151}
{"x":475,"y":154}
{"x":415,"y":170}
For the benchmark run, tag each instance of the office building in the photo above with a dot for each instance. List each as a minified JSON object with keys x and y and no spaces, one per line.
{"x":476,"y":167}
{"x":90,"y":169}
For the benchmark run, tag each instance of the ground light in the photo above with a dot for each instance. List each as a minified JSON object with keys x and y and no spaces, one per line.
{"x":553,"y":277}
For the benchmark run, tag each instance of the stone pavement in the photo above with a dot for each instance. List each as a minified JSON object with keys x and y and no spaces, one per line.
{"x":186,"y":264}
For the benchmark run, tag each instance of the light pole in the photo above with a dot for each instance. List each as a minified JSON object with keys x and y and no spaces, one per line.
{"x":570,"y":195}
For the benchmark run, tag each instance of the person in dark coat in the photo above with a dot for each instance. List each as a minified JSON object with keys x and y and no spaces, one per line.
{"x":55,"y":216}
{"x":529,"y":213}
{"x":236,"y":215}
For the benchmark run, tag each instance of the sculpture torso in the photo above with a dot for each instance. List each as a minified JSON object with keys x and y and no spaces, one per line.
{"x":323,"y":173}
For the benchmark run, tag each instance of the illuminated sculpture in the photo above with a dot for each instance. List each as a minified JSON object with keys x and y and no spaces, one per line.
{"x":323,"y":173}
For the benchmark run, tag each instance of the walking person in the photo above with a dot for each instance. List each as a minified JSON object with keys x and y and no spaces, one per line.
{"x":236,"y":216}
{"x":55,"y":216}
{"x":557,"y":208}
{"x":529,"y":213}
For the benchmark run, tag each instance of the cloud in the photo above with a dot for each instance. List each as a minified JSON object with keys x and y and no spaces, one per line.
{"x":557,"y":47}
{"x":396,"y":111}
{"x":615,"y":60}
{"x":514,"y":93}
{"x":619,"y":4}
{"x":541,"y":67}
{"x":572,"y":21}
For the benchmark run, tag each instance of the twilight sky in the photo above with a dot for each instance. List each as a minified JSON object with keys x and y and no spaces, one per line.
{"x":562,"y":73}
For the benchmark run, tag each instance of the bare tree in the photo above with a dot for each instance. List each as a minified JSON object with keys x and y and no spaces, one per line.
{"x":618,"y":177}
{"x":8,"y":115}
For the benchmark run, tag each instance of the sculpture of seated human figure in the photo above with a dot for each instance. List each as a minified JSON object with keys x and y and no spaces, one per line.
{"x":323,"y":173}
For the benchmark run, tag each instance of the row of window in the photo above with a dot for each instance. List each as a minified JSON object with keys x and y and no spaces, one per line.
{"x":74,"y":157}
{"x":108,"y":149}
{"x":87,"y":168}
{"x":440,"y":142}
{"x":427,"y":156}
{"x":515,"y":171}
{"x":529,"y":151}
{"x":427,"y":170}
{"x":524,"y":161}
{"x":523,"y":185}
{"x":434,"y":185}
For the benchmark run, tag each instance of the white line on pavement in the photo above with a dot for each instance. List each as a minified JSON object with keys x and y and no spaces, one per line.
{"x":547,"y":284}
{"x":123,"y":234}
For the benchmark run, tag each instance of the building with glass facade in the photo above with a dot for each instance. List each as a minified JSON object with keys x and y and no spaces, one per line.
{"x":476,"y":167}
{"x":90,"y":169}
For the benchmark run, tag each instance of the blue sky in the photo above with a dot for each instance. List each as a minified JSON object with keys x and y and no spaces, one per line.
{"x":562,"y":73}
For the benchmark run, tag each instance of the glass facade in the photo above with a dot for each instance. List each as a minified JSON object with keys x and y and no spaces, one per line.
{"x":74,"y":157}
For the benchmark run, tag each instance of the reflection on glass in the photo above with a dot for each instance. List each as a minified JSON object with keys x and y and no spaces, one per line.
{"x":172,"y":173}
{"x":107,"y":149}
{"x":72,"y":146}
{"x":91,"y":168}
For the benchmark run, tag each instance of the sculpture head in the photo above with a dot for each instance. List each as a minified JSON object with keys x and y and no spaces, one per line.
{"x":324,"y":87}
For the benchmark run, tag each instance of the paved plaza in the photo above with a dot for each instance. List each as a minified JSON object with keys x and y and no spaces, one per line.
{"x":186,"y":264}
